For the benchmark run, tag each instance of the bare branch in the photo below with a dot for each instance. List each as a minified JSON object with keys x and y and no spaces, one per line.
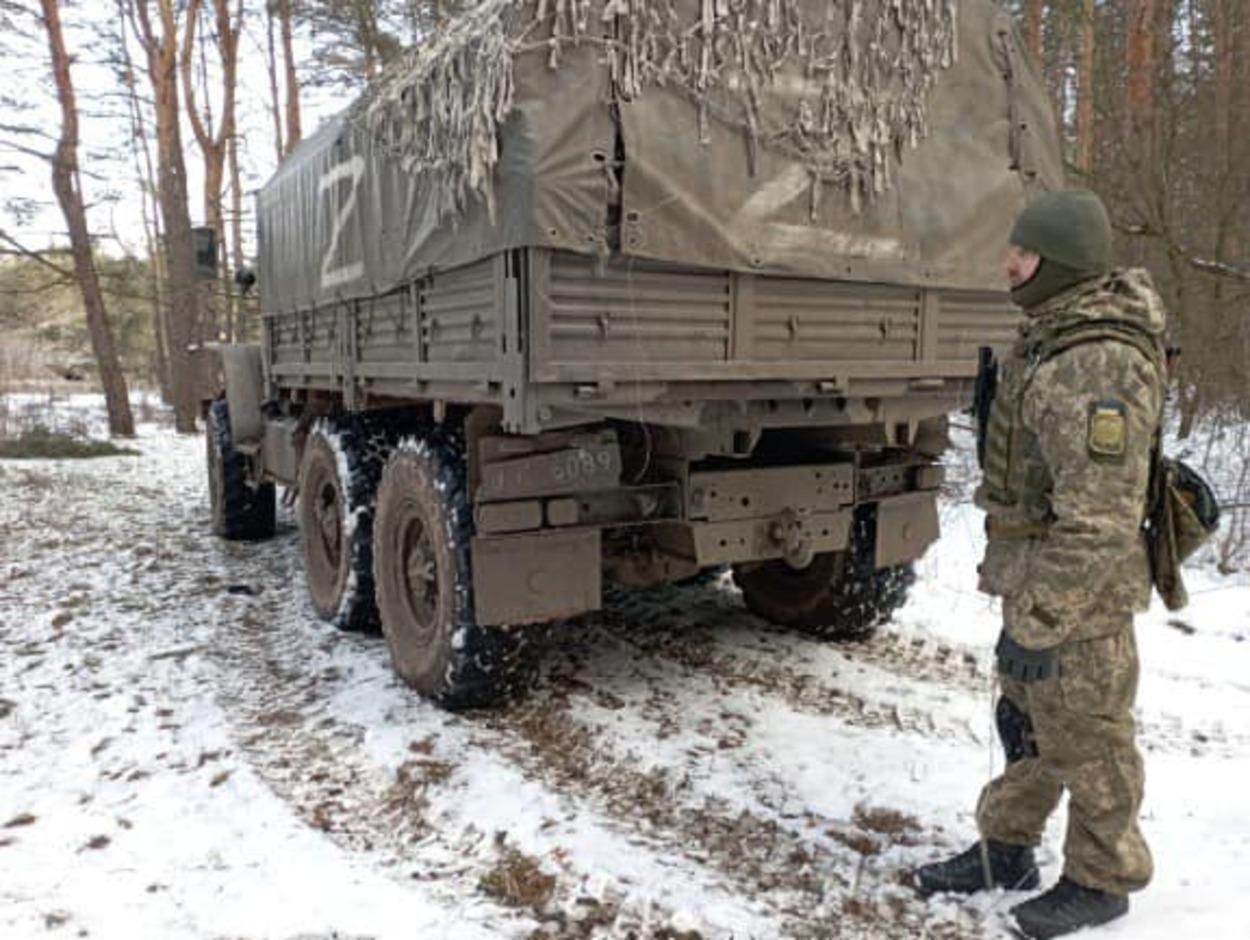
{"x":36,"y":256}
{"x":203,"y":134}
{"x":1220,"y":269}
{"x":46,"y":288}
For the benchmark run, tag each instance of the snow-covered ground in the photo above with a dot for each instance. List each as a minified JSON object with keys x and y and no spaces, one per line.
{"x":186,"y":751}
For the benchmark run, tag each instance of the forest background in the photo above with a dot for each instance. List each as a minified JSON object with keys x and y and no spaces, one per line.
{"x":153,"y":118}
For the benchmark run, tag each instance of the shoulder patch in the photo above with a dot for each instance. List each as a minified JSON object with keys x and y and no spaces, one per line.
{"x":1108,"y":429}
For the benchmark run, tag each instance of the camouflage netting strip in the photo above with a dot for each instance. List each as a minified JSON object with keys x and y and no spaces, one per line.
{"x":842,"y":99}
{"x":439,"y":110}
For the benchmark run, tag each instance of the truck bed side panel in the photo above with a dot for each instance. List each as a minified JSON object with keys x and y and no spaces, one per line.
{"x":635,"y":320}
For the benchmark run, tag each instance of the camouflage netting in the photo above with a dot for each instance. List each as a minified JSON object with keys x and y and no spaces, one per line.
{"x":439,"y":110}
{"x":840,"y":97}
{"x":843,"y":97}
{"x":814,"y":138}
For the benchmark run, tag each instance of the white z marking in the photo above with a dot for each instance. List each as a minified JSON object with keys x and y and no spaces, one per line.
{"x":353,"y":169}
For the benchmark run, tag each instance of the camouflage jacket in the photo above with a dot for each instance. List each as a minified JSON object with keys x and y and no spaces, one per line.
{"x":1068,"y":464}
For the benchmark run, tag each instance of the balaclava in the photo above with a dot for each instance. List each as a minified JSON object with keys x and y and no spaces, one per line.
{"x":1071,"y":232}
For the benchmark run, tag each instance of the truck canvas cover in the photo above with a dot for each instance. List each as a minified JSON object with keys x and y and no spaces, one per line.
{"x":887,"y":141}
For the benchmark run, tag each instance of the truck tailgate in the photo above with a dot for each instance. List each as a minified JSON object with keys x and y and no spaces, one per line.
{"x":632,"y":320}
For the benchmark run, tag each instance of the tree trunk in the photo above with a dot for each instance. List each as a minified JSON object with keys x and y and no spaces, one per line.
{"x":1085,"y":92}
{"x":162,"y":56}
{"x":271,"y":67}
{"x":1230,"y":184}
{"x":213,"y":142}
{"x":1055,"y":65}
{"x":238,"y":330}
{"x":1222,"y":36}
{"x":67,"y":184}
{"x":369,"y":26}
{"x":1165,"y":73}
{"x":293,"y":131}
{"x":159,"y":308}
{"x":1220,"y":168}
{"x":146,"y":175}
{"x":1190,"y":405}
{"x":156,"y":285}
{"x":1032,"y":29}
{"x":1139,"y":104}
{"x":1240,"y":154}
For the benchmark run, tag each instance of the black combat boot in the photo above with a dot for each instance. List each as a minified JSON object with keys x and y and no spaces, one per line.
{"x":1011,"y":866}
{"x":1065,"y":908}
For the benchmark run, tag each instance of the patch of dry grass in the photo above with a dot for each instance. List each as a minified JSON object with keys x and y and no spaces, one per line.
{"x":40,"y":443}
{"x":517,"y":880}
{"x":887,"y":822}
{"x":860,"y":842}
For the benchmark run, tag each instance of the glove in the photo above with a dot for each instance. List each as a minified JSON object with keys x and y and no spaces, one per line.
{"x":1023,"y":664}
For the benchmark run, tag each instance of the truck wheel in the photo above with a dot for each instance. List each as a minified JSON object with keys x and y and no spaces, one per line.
{"x":338,"y":484}
{"x":824,"y":600}
{"x":240,"y":513}
{"x":422,"y":539}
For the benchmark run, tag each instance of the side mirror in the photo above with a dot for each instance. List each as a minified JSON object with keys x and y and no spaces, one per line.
{"x":244,"y":280}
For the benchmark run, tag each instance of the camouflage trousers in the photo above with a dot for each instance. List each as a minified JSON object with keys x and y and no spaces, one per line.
{"x":1075,"y":731}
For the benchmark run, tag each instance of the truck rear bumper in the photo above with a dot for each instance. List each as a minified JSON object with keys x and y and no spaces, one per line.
{"x":714,"y":518}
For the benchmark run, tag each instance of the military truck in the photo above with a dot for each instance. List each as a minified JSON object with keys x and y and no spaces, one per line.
{"x":590,"y":292}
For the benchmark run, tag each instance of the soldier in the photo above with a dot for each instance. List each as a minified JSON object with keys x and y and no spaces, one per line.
{"x":1066,"y":473}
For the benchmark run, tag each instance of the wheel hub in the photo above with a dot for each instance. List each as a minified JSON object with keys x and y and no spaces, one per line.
{"x":420,"y":569}
{"x":329,"y":523}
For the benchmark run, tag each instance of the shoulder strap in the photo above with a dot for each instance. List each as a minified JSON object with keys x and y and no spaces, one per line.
{"x":1093,"y":331}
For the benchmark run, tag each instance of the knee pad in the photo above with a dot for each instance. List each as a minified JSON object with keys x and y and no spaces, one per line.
{"x":1015,"y":731}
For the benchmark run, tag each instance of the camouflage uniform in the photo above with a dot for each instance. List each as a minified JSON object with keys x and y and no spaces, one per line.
{"x":1067,"y":468}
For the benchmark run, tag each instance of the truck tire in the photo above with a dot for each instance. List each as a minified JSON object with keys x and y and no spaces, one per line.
{"x":706,"y":577}
{"x":338,"y":479}
{"x":824,"y":600}
{"x":422,"y":538}
{"x":240,"y":512}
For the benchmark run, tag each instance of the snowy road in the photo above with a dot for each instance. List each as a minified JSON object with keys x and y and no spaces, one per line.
{"x":185,"y":751}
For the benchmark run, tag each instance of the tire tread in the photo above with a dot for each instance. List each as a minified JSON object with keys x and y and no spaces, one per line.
{"x":244,"y":513}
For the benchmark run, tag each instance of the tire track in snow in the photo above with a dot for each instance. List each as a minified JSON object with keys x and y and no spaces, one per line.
{"x":276,"y":683}
{"x":803,"y":881}
{"x":279,"y":680}
{"x":911,"y":684}
{"x":278,"y":675}
{"x":813,"y":886}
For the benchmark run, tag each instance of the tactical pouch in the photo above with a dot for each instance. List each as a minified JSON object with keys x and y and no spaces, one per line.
{"x":1023,"y":664}
{"x":1184,"y":515}
{"x":1015,"y":731}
